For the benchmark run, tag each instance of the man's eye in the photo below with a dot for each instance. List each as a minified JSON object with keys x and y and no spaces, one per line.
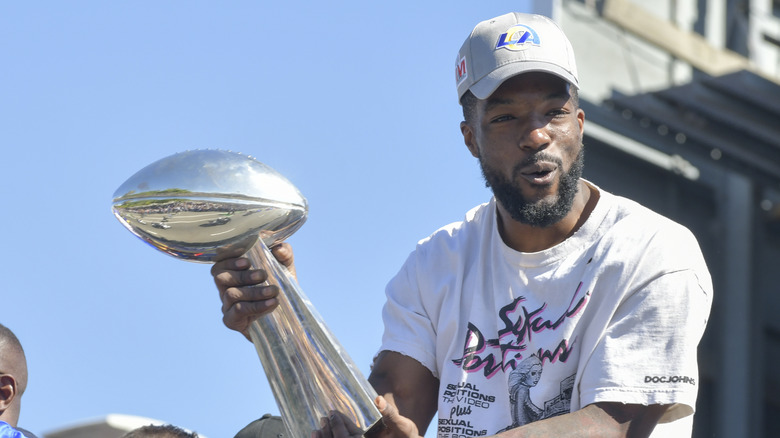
{"x":501,"y":118}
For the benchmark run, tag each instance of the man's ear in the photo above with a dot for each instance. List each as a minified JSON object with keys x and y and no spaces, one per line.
{"x":468,"y":138}
{"x":8,"y":391}
{"x":581,"y":120}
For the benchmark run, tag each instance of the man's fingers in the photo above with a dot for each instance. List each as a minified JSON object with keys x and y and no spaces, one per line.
{"x":234,"y":296}
{"x":231,"y":264}
{"x":242,"y":292}
{"x":339,"y":425}
{"x":389,"y":412}
{"x":239,"y":315}
{"x":284,"y":255}
{"x":394,"y":422}
{"x":345,"y":424}
{"x":226,"y":279}
{"x":325,"y":430}
{"x":241,"y":306}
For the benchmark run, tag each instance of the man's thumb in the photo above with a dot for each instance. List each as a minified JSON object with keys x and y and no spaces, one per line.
{"x":394,"y":421}
{"x":383,"y":406}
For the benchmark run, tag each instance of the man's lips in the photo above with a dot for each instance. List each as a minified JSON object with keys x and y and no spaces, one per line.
{"x":541,"y":172}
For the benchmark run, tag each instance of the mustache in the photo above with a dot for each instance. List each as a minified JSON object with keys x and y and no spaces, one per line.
{"x":535,"y":158}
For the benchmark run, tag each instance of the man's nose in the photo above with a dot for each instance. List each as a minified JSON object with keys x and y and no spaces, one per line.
{"x":536,"y":137}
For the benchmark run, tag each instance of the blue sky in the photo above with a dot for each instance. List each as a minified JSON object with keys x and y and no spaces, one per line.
{"x":353,"y":101}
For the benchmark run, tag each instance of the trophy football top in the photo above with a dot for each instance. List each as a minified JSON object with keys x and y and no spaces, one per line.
{"x":207,"y":204}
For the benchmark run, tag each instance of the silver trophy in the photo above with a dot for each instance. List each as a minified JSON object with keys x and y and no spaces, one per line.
{"x":207,"y":205}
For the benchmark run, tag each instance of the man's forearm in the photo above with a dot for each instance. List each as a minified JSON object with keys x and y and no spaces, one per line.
{"x":600,"y":420}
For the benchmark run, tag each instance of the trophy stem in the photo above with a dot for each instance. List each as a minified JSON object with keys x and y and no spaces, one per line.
{"x":309,"y":372}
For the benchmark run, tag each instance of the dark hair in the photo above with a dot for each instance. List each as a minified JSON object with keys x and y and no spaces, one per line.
{"x":574,"y":92}
{"x":7,"y":336}
{"x":11,"y":348}
{"x":164,"y":431}
{"x":469,"y":103}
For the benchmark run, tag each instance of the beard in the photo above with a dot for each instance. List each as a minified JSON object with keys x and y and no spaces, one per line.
{"x":540,"y":213}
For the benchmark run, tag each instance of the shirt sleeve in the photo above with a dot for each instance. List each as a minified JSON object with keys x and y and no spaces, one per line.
{"x":408,"y":327}
{"x":648,"y":352}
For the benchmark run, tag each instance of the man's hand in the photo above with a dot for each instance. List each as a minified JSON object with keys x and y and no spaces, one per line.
{"x":396,"y":426}
{"x":243,"y":297}
{"x":339,"y":425}
{"x":408,"y":388}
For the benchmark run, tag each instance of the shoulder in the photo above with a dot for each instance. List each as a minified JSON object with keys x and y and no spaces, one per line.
{"x":631,"y":221}
{"x":458,"y":236}
{"x":636,"y":235}
{"x":7,"y":431}
{"x":451,"y":245}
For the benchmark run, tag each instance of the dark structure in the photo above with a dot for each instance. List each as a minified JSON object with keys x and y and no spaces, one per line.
{"x":707,"y":154}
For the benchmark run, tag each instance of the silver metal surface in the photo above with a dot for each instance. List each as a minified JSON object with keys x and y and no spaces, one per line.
{"x":309,"y":371}
{"x":206,"y":205}
{"x":197,"y":205}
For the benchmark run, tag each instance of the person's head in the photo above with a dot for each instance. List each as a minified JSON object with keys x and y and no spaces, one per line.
{"x":517,"y":82}
{"x":527,"y":373}
{"x":160,"y":431}
{"x":267,"y":426}
{"x":13,"y":376}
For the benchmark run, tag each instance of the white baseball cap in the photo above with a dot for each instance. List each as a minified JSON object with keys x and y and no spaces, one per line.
{"x":509,"y":45}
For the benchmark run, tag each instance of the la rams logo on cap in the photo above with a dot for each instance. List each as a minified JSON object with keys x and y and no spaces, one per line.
{"x":517,"y":37}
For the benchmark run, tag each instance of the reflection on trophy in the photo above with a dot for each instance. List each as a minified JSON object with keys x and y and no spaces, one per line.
{"x":207,"y":205}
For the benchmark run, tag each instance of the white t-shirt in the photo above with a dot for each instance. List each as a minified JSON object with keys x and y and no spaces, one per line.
{"x":614,"y":313}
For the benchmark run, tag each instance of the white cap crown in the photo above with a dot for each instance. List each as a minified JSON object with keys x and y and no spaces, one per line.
{"x":509,"y":45}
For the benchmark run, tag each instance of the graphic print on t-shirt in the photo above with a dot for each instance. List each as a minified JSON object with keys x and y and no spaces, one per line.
{"x":527,"y":343}
{"x":521,"y":380}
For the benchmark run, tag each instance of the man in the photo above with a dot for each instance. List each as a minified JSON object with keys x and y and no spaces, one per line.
{"x":267,"y":426}
{"x":160,"y":431}
{"x":13,"y":382}
{"x":602,"y":300}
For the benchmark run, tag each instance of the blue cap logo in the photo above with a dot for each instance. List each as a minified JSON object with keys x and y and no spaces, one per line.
{"x":516,"y":38}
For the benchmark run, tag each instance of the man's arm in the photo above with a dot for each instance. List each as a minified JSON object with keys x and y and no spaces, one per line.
{"x":599,"y":420}
{"x":409,"y":386}
{"x":413,"y":391}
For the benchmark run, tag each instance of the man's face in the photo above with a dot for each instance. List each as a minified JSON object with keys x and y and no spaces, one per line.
{"x":528,"y":138}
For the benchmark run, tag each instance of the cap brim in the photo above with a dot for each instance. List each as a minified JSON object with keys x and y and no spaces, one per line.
{"x":483,"y":88}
